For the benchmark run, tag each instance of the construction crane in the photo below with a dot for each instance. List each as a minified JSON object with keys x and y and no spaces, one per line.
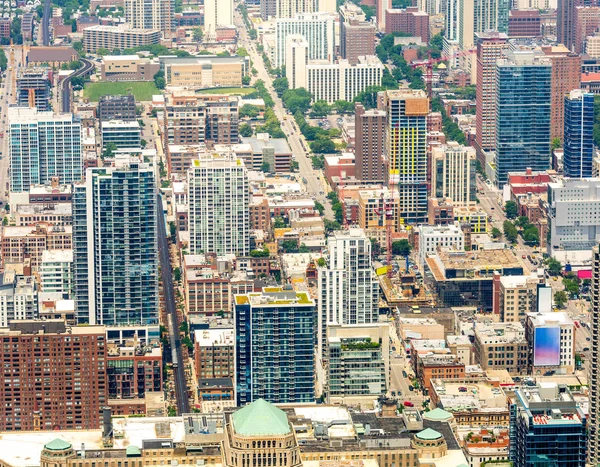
{"x":430,"y":62}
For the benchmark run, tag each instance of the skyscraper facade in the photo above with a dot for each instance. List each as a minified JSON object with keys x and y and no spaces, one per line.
{"x":274,"y":352}
{"x":523,"y":98}
{"x":406,"y":151}
{"x":453,"y":173}
{"x":579,"y":137}
{"x":43,"y":145}
{"x":593,"y":373}
{"x":219,"y":199}
{"x":149,"y":14}
{"x":217,"y":13}
{"x":115,"y":246}
{"x":369,"y":144}
{"x":357,"y":35}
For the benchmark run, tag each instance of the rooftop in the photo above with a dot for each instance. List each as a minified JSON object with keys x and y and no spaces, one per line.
{"x":260,"y":418}
{"x":469,"y":394}
{"x":214,"y":337}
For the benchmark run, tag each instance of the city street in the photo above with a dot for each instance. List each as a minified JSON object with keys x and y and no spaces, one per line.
{"x":314,"y":183}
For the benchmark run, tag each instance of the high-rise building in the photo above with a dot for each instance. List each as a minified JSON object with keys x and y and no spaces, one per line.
{"x":409,"y":21}
{"x":43,"y":145}
{"x":566,"y":76}
{"x":380,"y":7}
{"x":268,"y":9}
{"x":56,"y":272}
{"x":348,"y":286}
{"x":217,"y":13}
{"x":115,"y":246}
{"x":369,"y":144}
{"x":546,"y":424}
{"x":406,"y":151}
{"x":523,"y":99}
{"x":218,"y":200}
{"x":490,"y":47}
{"x":579,"y":138}
{"x":317,"y":28}
{"x":33,"y":88}
{"x":149,"y":14}
{"x":453,"y":173}
{"x":593,"y":373}
{"x":296,"y":59}
{"x":587,"y":22}
{"x":290,"y":8}
{"x":524,"y":23}
{"x":357,"y":35}
{"x":274,"y":352}
{"x":565,"y":20}
{"x":60,"y":373}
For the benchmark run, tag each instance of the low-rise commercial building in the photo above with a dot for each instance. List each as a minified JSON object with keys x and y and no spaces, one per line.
{"x":551,"y":339}
{"x":515,"y":296}
{"x":501,"y":346}
{"x":123,"y":135}
{"x":205,"y":72}
{"x":214,"y":353}
{"x":128,"y":68}
{"x":430,"y":367}
{"x":433,"y":237}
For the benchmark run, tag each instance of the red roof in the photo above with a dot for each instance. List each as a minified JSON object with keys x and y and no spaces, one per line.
{"x":587,"y":77}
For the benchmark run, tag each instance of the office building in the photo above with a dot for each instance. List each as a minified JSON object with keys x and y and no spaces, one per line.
{"x":128,"y":68}
{"x":73,"y":388}
{"x":348,"y":287}
{"x":409,"y":21}
{"x":406,"y":151}
{"x":593,"y":374}
{"x":296,"y":59}
{"x":43,"y":145}
{"x":453,"y":173}
{"x":547,"y":425}
{"x":214,"y":352}
{"x":490,"y":47}
{"x":266,"y":323}
{"x":342,"y":81}
{"x":290,"y":8}
{"x":219,"y":197}
{"x":33,"y":88}
{"x":587,"y":22}
{"x":18,"y":298}
{"x":371,"y":205}
{"x":205,"y":72}
{"x":318,"y":30}
{"x":579,"y":138}
{"x":574,"y":216}
{"x":470,"y":17}
{"x":523,"y":103}
{"x":501,"y":346}
{"x":121,"y":108}
{"x":56,"y":272}
{"x":369,"y":144}
{"x":115,"y":245}
{"x":515,"y":296}
{"x":120,"y":134}
{"x":357,"y":35}
{"x":118,"y":37}
{"x":551,"y":338}
{"x":381,"y":6}
{"x":565,"y":21}
{"x":216,"y":13}
{"x":443,"y":236}
{"x":149,"y":14}
{"x":566,"y":76}
{"x":524,"y":23}
{"x":268,"y":9}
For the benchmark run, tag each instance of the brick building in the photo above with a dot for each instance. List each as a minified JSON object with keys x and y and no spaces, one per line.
{"x":214,"y":353}
{"x":524,"y":23}
{"x":410,"y":21}
{"x":369,"y":142}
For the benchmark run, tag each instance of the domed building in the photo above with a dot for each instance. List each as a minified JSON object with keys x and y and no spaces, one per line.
{"x":56,"y":453}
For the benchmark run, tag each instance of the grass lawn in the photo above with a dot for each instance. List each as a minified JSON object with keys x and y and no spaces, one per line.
{"x":142,"y":90}
{"x":231,"y":91}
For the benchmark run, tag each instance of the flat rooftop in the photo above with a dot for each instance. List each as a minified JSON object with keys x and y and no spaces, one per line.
{"x":469,"y":394}
{"x":214,"y":337}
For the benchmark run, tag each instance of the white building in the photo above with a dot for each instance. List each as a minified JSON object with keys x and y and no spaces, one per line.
{"x":317,"y":28}
{"x":43,"y":145}
{"x":432,"y":237}
{"x":216,"y":13}
{"x":18,"y":297}
{"x":123,"y":135}
{"x":56,"y":271}
{"x":515,"y":296}
{"x":296,"y":59}
{"x":149,"y":14}
{"x":574,"y":218}
{"x":453,"y":173}
{"x":219,"y":199}
{"x":342,"y":81}
{"x":551,"y":338}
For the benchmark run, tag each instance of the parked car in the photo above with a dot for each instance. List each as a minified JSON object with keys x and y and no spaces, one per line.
{"x":408,"y":404}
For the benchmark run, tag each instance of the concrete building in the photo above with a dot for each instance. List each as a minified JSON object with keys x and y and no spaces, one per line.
{"x":78,"y":364}
{"x":515,"y":296}
{"x":43,"y":145}
{"x":121,"y":108}
{"x":18,"y":298}
{"x":266,"y":150}
{"x":115,"y":245}
{"x":30,"y":214}
{"x":118,"y":37}
{"x":369,"y":144}
{"x":296,"y":58}
{"x":342,"y":81}
{"x":218,"y":205}
{"x":357,"y":35}
{"x":523,"y":108}
{"x":551,"y":338}
{"x":128,"y":68}
{"x":573,"y":215}
{"x":261,"y":369}
{"x":433,"y":237}
{"x":524,"y":23}
{"x":56,"y":272}
{"x":318,"y":30}
{"x":33,"y":88}
{"x":409,"y":21}
{"x":547,"y":423}
{"x":578,"y":136}
{"x":371,"y":204}
{"x":587,"y":22}
{"x":565,"y":22}
{"x":592,"y":46}
{"x":205,"y":72}
{"x":406,"y":152}
{"x":123,"y":135}
{"x":593,"y":375}
{"x":214,"y":353}
{"x":216,"y":13}
{"x":381,"y":6}
{"x":453,"y":173}
{"x":501,"y":346}
{"x":149,"y":14}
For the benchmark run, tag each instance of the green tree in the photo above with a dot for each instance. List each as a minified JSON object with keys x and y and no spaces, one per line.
{"x":401,"y":247}
{"x":246,"y":80}
{"x":560,"y":298}
{"x":511,"y":209}
{"x":556,"y":143}
{"x":143,"y":143}
{"x":522,"y":222}
{"x":159,"y":80}
{"x":320,"y":108}
{"x":330,"y":225}
{"x":297,"y":100}
{"x":3,"y":60}
{"x":343,"y":107}
{"x":303,"y":249}
{"x":5,"y":221}
{"x":289,"y":246}
{"x":109,"y":150}
{"x":280,"y":85}
{"x":531,"y":235}
{"x":249,"y":110}
{"x":177,"y":275}
{"x":172,"y":231}
{"x":510,"y":231}
{"x":322,"y":146}
{"x":265,"y":167}
{"x":279,"y":223}
{"x":321,"y":262}
{"x":245,"y":130}
{"x":318,"y":163}
{"x":319,"y":207}
{"x":553,"y":266}
{"x":496,"y":233}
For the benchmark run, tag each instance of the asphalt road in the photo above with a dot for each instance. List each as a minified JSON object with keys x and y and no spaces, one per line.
{"x":65,"y":85}
{"x":316,"y":185}
{"x":45,"y":25}
{"x":183,"y":404}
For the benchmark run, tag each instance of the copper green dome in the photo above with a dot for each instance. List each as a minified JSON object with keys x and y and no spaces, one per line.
{"x":57,"y":445}
{"x":260,"y":418}
{"x":428,"y":434}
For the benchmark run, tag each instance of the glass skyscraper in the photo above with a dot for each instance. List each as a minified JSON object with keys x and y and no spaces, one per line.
{"x":523,"y":96}
{"x":579,"y":134}
{"x":115,"y":246}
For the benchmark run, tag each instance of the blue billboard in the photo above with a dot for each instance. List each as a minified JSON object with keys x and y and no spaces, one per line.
{"x":546,"y":346}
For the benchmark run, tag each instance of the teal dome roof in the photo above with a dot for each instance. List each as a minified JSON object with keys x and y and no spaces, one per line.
{"x":57,"y":445}
{"x":437,"y":414}
{"x":428,"y":434}
{"x":260,"y":418}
